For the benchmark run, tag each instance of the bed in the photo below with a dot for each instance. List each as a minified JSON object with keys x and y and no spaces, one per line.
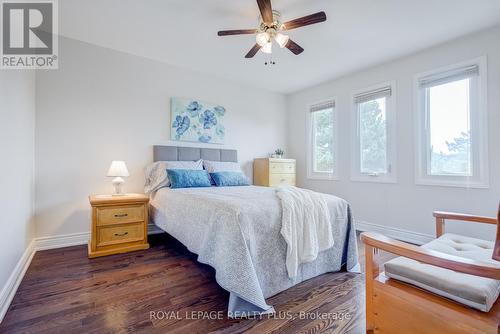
{"x":236,"y":230}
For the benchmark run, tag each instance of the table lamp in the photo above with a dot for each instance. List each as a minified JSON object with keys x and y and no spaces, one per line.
{"x":118,"y":170}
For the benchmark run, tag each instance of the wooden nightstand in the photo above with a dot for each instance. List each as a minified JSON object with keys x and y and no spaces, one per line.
{"x":272,"y":172}
{"x":119,"y":224}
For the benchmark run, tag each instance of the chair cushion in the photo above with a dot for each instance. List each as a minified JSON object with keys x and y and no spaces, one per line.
{"x":474,"y":291}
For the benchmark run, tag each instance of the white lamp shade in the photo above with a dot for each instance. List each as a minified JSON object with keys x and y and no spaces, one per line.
{"x":281,"y":39}
{"x":118,"y":169}
{"x":262,"y":38}
{"x":268,"y":48}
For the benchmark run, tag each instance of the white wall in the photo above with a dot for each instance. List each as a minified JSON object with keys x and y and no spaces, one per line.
{"x":104,"y":105}
{"x":17,"y":130}
{"x":404,"y":205}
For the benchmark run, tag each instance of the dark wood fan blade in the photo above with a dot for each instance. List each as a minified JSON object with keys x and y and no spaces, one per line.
{"x":266,"y":11}
{"x":236,"y":32}
{"x":294,"y":47}
{"x":305,"y":21}
{"x":253,"y":51}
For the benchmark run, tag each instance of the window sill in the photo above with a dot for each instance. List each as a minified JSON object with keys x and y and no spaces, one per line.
{"x":453,"y":184}
{"x":328,"y":177}
{"x":374,"y":179}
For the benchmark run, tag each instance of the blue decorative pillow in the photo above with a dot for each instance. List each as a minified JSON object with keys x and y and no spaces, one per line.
{"x":188,"y":178}
{"x":226,"y":179}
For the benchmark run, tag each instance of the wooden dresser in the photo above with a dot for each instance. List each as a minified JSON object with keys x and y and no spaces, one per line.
{"x":272,"y":172}
{"x":119,"y":224}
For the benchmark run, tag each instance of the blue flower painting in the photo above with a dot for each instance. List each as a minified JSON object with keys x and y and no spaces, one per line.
{"x":181,"y":124}
{"x":194,"y":108}
{"x":204,"y":138}
{"x":220,"y":110}
{"x":208,"y":119}
{"x":197,"y":121}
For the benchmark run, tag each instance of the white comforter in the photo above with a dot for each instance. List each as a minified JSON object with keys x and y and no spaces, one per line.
{"x":305,"y":226}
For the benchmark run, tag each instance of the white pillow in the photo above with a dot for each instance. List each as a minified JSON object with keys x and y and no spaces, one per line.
{"x":221,"y":166}
{"x":156,"y":173}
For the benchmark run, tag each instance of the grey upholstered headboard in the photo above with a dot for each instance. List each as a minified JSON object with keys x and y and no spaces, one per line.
{"x":177,"y":153}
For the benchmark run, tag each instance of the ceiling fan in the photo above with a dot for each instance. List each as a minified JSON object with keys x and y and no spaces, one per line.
{"x":271,"y":28}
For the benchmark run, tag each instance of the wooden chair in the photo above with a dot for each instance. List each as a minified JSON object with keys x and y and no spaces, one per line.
{"x":393,"y":306}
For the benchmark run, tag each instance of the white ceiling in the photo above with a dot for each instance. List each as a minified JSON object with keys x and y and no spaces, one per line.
{"x":357,"y":34}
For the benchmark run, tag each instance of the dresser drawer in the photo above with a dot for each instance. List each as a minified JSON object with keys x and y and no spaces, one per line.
{"x":281,"y":167}
{"x":281,"y":180}
{"x":120,"y":214}
{"x":115,"y":234}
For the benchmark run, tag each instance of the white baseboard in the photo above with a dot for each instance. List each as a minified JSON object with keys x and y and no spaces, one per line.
{"x":15,"y":278}
{"x":64,"y":240}
{"x":153,"y":229}
{"x":74,"y":239}
{"x":393,"y":232}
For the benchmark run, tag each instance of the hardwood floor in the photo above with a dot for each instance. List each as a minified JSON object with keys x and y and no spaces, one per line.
{"x":165,"y":290}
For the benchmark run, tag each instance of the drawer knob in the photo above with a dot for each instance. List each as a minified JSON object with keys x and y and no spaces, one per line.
{"x":121,"y":215}
{"x":121,"y":234}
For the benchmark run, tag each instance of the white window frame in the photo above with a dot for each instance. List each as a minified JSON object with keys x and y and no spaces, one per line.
{"x":478,"y":125}
{"x":311,"y":174}
{"x":391,"y":175}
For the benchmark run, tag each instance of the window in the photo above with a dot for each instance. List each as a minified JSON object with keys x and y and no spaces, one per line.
{"x":452,"y":148}
{"x":374,"y":151}
{"x":322,"y":148}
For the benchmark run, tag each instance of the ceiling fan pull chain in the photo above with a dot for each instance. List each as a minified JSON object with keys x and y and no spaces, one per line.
{"x":270,"y":61}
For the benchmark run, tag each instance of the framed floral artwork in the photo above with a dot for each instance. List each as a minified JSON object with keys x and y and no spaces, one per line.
{"x":197,"y":121}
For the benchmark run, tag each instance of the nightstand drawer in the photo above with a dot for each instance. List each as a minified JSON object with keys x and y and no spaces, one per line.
{"x":115,"y":234}
{"x":282,"y":167}
{"x":281,"y":180}
{"x":120,"y":214}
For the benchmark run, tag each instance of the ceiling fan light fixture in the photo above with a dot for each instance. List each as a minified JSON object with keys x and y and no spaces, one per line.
{"x":281,"y":39}
{"x":270,"y":28}
{"x":267,"y":48}
{"x":262,"y":38}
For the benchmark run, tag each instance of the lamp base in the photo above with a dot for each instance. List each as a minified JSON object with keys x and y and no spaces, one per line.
{"x":118,"y":183}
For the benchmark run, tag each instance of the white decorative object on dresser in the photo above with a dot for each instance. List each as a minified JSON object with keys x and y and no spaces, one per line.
{"x":271,"y":172}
